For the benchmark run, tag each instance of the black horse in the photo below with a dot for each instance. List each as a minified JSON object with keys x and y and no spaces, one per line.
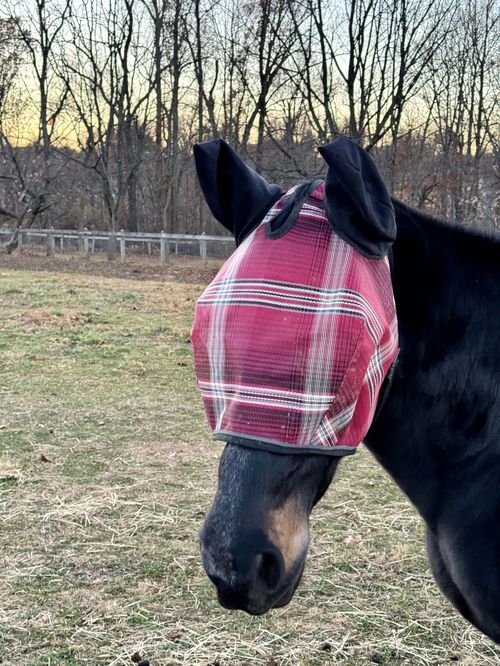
{"x":437,"y":434}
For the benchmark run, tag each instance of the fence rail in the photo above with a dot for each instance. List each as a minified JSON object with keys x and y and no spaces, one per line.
{"x":119,"y":243}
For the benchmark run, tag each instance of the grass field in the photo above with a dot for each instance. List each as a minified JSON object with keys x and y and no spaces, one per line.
{"x":106,"y":470}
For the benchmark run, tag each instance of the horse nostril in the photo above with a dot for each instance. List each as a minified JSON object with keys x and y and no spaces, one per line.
{"x":271,"y":568}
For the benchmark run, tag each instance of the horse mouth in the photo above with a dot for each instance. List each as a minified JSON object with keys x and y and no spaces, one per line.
{"x":281,"y":597}
{"x":229,"y":602}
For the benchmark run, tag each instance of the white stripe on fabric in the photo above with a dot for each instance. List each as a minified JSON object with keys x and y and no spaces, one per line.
{"x":264,"y":390}
{"x":321,"y":353}
{"x":323,"y":306}
{"x":301,"y":407}
{"x":215,"y":351}
{"x":280,"y":285}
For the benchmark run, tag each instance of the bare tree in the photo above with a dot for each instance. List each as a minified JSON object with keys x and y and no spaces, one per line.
{"x":10,"y":60}
{"x":38,"y":32}
{"x":359,"y":71}
{"x":464,"y":96}
{"x":268,"y":29}
{"x":109,"y":78}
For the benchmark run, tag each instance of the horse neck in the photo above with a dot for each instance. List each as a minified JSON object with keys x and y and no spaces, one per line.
{"x":444,"y":403}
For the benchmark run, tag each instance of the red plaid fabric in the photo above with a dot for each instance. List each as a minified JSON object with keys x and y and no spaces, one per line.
{"x":294,"y":337}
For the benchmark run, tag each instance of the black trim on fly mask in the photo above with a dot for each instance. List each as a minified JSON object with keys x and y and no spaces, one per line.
{"x":272,"y":447}
{"x":282,"y":223}
{"x":357,"y":202}
{"x":237,"y":196}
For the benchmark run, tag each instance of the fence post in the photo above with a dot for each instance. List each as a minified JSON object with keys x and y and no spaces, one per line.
{"x":20,"y":240}
{"x":92,"y":245}
{"x":122,"y":245}
{"x":164,"y":248}
{"x":203,"y":250}
{"x":111,"y":246}
{"x":86,"y":241}
{"x":83,"y":242}
{"x":61,"y":242}
{"x":50,"y":240}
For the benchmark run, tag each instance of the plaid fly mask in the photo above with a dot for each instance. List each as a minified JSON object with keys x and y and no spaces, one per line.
{"x":295,"y":335}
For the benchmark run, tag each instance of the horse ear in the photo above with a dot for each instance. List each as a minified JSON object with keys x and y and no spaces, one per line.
{"x":237,"y":196}
{"x":357,"y":202}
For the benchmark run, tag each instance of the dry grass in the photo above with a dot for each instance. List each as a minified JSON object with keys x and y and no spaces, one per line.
{"x":106,"y":470}
{"x":135,"y":267}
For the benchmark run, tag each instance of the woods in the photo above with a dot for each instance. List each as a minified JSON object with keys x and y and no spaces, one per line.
{"x":101,"y":102}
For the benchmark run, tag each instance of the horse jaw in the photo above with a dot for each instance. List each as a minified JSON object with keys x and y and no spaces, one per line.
{"x":255,"y":537}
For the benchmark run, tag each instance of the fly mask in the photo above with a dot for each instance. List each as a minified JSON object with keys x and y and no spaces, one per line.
{"x":295,"y":335}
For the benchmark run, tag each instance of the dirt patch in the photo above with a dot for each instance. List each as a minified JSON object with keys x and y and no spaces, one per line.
{"x":47,"y":316}
{"x":181,"y":269}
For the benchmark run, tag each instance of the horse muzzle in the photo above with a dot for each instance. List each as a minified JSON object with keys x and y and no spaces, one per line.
{"x":249,"y":575}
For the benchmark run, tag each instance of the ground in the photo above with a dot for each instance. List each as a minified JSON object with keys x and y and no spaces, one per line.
{"x":106,"y":471}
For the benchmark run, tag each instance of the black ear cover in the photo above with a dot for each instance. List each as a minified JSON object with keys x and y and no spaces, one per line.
{"x":357,"y":202}
{"x":237,"y":196}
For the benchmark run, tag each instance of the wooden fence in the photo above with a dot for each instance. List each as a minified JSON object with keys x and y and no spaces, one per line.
{"x":117,"y":244}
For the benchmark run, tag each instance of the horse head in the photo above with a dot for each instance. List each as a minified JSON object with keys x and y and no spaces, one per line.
{"x":290,"y":359}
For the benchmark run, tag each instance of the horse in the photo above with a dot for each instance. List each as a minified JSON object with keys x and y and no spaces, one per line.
{"x":436,"y":430}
